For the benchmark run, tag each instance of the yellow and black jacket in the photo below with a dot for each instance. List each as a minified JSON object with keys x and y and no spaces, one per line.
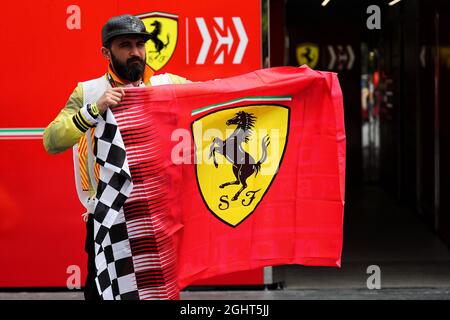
{"x":72,"y":125}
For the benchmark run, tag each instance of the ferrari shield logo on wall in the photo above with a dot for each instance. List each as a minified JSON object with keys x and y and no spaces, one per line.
{"x":307,"y":53}
{"x":238,"y":152}
{"x":163,"y":28}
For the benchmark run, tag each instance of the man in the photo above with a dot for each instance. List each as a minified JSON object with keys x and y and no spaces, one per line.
{"x":123,"y":45}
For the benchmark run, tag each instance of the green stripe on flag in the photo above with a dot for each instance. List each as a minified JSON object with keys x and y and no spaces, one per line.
{"x":254,"y":98}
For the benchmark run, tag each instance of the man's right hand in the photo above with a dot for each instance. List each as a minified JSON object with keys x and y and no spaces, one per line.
{"x":110,"y":98}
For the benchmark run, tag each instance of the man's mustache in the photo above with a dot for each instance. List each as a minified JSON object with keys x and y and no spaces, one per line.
{"x":135,"y":59}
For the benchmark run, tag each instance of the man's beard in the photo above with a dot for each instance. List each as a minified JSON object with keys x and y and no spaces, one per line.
{"x":130,"y":70}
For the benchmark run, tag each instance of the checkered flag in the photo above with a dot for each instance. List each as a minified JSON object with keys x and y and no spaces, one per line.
{"x":115,"y":278}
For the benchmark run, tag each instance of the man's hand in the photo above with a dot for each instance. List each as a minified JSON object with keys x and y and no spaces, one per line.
{"x":110,"y":98}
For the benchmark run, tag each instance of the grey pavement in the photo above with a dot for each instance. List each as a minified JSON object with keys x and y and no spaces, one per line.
{"x":307,"y":294}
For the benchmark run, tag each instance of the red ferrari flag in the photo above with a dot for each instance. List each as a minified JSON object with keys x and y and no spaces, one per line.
{"x":269,"y":167}
{"x":231,"y":175}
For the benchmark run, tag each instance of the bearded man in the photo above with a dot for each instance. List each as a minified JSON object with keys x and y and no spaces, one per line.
{"x":123,"y":46}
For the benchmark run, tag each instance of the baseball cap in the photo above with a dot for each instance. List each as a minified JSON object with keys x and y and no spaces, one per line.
{"x":126,"y":24}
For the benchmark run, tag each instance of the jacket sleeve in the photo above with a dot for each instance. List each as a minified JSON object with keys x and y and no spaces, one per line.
{"x":177,"y":79}
{"x":64,"y":131}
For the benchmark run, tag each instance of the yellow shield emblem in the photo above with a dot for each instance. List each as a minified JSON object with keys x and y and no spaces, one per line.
{"x":238,"y":152}
{"x":307,"y":53}
{"x":164,"y":30}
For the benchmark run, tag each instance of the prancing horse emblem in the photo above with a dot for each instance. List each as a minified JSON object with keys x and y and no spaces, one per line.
{"x":154,"y":36}
{"x":244,"y":164}
{"x":163,"y":29}
{"x":235,"y":171}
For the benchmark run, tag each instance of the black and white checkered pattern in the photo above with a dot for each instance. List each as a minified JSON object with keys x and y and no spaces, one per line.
{"x":115,"y":279}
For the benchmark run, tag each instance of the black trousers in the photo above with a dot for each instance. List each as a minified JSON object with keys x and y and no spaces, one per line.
{"x":90,"y":288}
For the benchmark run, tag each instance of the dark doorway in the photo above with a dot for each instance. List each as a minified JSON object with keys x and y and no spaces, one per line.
{"x":395,"y":84}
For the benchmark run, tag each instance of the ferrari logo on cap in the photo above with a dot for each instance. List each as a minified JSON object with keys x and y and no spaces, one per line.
{"x":163,"y":28}
{"x":307,"y":53}
{"x":238,"y":152}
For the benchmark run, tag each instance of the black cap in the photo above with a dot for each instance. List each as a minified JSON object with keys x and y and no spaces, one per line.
{"x":126,"y":24}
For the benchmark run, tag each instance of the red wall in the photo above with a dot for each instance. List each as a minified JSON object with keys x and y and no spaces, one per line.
{"x":41,"y":231}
